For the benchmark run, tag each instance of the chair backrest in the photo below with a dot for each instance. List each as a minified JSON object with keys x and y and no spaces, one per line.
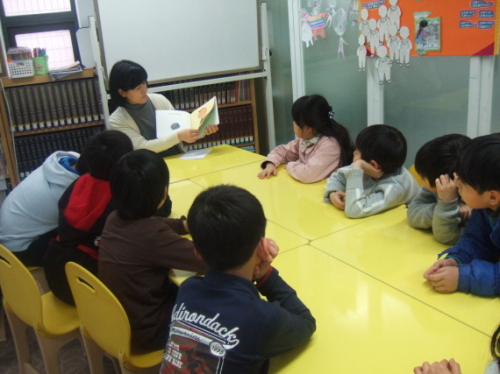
{"x":20,"y":291}
{"x":415,"y":175}
{"x":100,"y":312}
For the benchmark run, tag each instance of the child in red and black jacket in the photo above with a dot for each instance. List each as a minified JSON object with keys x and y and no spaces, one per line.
{"x":83,"y":210}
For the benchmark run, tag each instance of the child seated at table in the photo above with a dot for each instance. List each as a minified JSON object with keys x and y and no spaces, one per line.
{"x":322,"y":145}
{"x":138,"y":250}
{"x":219,"y":322}
{"x":376,"y":180}
{"x":83,"y":209}
{"x":437,"y":205}
{"x":472,"y":265}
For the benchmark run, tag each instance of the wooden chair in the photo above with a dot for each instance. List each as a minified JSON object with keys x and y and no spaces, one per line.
{"x":105,"y":327}
{"x":55,"y":322}
{"x":415,"y":175}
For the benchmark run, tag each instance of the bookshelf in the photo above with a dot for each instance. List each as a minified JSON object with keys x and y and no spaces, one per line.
{"x":40,"y":116}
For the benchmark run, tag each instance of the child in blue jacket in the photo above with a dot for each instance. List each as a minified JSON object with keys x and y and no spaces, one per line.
{"x":472,"y":265}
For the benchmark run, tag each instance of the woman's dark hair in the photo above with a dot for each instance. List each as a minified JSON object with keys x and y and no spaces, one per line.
{"x":315,"y":112}
{"x":125,"y":75}
{"x":439,"y":156}
{"x":138,"y":184}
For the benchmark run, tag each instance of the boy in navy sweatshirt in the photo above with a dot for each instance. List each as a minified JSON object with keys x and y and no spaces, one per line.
{"x":220,"y":324}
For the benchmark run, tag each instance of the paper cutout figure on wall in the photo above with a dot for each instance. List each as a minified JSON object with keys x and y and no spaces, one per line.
{"x":353,"y":11}
{"x":331,"y":12}
{"x":361,"y":52}
{"x":421,"y":37}
{"x":364,"y":24}
{"x":383,"y":65}
{"x":383,"y":24}
{"x":316,"y":18}
{"x":394,"y":13}
{"x":373,"y":40}
{"x":405,"y":46}
{"x":392,"y":43}
{"x":340,"y":25}
{"x":306,"y":33}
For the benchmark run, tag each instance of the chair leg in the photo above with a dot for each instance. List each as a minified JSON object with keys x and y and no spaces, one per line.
{"x":50,"y":347}
{"x":94,"y":352}
{"x":18,"y":329}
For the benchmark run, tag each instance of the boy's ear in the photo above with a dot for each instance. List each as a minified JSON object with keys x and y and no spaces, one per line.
{"x":494,"y":197}
{"x":121,"y":92}
{"x":198,"y":255}
{"x":375,"y":164}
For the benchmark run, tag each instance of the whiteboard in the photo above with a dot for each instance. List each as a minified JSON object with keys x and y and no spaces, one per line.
{"x":182,"y":38}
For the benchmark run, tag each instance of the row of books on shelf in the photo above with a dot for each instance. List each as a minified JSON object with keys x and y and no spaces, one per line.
{"x":32,"y":150}
{"x":227,"y":93}
{"x":43,"y":106}
{"x":235,"y":128}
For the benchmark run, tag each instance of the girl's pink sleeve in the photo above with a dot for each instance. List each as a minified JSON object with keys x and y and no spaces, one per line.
{"x":284,"y":153}
{"x":320,"y":164}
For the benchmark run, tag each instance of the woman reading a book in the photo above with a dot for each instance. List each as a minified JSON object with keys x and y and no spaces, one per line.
{"x":136,"y":116}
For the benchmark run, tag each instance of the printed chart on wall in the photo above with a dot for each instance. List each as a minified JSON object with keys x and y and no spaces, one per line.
{"x":394,"y":30}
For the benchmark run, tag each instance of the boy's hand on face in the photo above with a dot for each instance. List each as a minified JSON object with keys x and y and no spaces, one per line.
{"x":337,"y":198}
{"x":445,"y":279}
{"x":267,"y":252}
{"x":446,"y":187}
{"x":439,"y":264}
{"x":369,"y":169}
{"x":465,"y":211}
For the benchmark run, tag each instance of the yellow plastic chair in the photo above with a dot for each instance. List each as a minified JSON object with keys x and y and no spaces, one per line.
{"x":415,"y":175}
{"x":105,"y":327}
{"x":55,"y":322}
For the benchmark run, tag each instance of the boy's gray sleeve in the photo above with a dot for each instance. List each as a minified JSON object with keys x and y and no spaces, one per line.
{"x":336,"y":182}
{"x":446,"y":222}
{"x":360,"y":203}
{"x":421,"y":209}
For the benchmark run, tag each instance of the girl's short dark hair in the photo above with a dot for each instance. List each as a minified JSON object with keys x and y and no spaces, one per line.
{"x":384,"y":144}
{"x":226,"y":223}
{"x":315,"y":112}
{"x":125,"y":75}
{"x":479,"y":163}
{"x":102,"y":151}
{"x":439,"y":156}
{"x":138,"y":184}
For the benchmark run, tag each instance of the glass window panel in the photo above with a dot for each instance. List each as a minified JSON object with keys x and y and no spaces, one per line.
{"x":58,"y":45}
{"x":25,"y":7}
{"x":428,"y":99}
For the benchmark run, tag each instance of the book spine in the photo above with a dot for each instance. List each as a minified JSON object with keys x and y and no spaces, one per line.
{"x":62,"y":103}
{"x":72,"y":101}
{"x":92,"y":99}
{"x":86,"y":100}
{"x":16,"y":119}
{"x":24,"y":109}
{"x":80,"y":106}
{"x":224,"y":93}
{"x":99,"y":99}
{"x":176,"y":102}
{"x":20,"y":157}
{"x":182,"y":103}
{"x":56,"y":112}
{"x":39,"y":109}
{"x":31,"y":107}
{"x":196,"y":97}
{"x":47,"y":115}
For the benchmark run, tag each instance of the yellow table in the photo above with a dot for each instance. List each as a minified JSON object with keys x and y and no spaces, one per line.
{"x":388,"y":249}
{"x":220,"y":158}
{"x":366,"y":326}
{"x":296,"y":206}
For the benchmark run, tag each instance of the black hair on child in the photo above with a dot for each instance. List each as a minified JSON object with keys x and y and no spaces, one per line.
{"x":103,"y":150}
{"x":384,"y":144}
{"x":479,"y":163}
{"x":125,"y":75}
{"x":315,"y":112}
{"x":495,"y":345}
{"x":138,"y":184}
{"x":226,"y":223}
{"x":439,"y":156}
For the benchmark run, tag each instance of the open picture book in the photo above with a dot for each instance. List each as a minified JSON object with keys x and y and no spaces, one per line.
{"x":171,"y":121}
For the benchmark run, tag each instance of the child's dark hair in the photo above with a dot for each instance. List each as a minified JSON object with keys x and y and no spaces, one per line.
{"x":315,"y":112}
{"x":479,"y":163}
{"x":226,"y":223}
{"x":495,"y":346}
{"x":103,"y":150}
{"x":125,"y":75}
{"x":384,"y":144}
{"x":138,"y":184}
{"x":439,"y":156}
{"x":422,"y":24}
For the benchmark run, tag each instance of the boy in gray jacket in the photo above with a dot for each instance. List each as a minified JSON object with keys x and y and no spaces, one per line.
{"x":376,"y":180}
{"x":437,"y":205}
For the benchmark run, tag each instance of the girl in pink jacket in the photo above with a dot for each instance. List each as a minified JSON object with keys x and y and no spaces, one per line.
{"x":322,"y":145}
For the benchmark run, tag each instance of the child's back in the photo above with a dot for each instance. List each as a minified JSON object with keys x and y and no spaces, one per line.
{"x":220,"y":324}
{"x":437,"y":204}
